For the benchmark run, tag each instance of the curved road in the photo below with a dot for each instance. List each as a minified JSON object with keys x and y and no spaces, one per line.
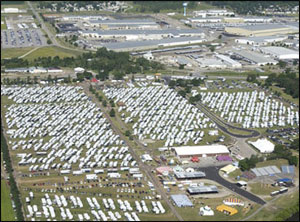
{"x":212,"y":173}
{"x":217,"y":120}
{"x":223,"y":125}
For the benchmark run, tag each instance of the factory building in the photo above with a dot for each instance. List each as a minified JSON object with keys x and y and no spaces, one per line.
{"x":202,"y":190}
{"x":280,"y":52}
{"x":260,"y":30}
{"x":261,"y":40}
{"x":254,"y":58}
{"x":205,"y":13}
{"x":142,"y":34}
{"x":75,"y":18}
{"x":201,"y":151}
{"x":205,"y":20}
{"x":125,"y":24}
{"x":228,"y":61}
{"x":233,"y":20}
{"x":150,"y":44}
{"x":211,"y":63}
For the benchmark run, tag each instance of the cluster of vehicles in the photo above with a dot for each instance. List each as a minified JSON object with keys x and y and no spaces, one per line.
{"x":22,"y":37}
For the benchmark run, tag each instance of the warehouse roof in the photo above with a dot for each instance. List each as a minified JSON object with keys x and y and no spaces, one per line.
{"x":133,"y":44}
{"x":262,"y":38}
{"x":264,"y":171}
{"x":125,"y":21}
{"x":141,"y":32}
{"x":203,"y":189}
{"x":181,"y":200}
{"x":210,"y":62}
{"x":263,"y":145}
{"x":195,"y":174}
{"x":228,"y":59}
{"x":196,"y":150}
{"x":253,"y":56}
{"x":278,"y":50}
{"x":263,"y":27}
{"x":288,"y":169}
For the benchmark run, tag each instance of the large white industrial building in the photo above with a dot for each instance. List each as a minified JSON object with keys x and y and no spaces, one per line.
{"x":125,"y":24}
{"x":142,"y":34}
{"x":280,"y":52}
{"x":254,"y":58}
{"x":213,"y":12}
{"x":151,"y":44}
{"x":228,"y":61}
{"x":201,"y":151}
{"x":260,"y":40}
{"x":211,"y":63}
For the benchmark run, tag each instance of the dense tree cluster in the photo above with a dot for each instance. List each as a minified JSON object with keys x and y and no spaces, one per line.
{"x":105,"y":62}
{"x":282,"y":152}
{"x":295,"y":144}
{"x":251,"y":7}
{"x":156,"y":6}
{"x":248,"y":163}
{"x":287,"y":80}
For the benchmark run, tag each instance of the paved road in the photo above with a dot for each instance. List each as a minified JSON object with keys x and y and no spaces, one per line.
{"x":49,"y":33}
{"x":212,"y":173}
{"x":142,"y":166}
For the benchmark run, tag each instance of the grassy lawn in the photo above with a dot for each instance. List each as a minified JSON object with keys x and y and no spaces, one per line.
{"x":51,"y":51}
{"x":14,"y":52}
{"x":277,"y":163}
{"x":268,"y":213}
{"x":7,"y":212}
{"x":262,"y":189}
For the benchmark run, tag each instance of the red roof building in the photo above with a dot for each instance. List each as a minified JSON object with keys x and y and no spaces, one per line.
{"x":94,"y":80}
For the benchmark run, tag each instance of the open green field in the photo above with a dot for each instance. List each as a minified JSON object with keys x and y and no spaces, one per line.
{"x":14,"y":52}
{"x":268,"y":213}
{"x":51,"y":51}
{"x":262,"y":189}
{"x":7,"y":212}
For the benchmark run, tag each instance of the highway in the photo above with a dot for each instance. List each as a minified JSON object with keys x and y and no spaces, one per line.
{"x":145,"y":168}
{"x":212,"y":173}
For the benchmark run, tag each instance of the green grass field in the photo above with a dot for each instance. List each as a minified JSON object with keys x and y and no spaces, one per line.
{"x":7,"y":212}
{"x":14,"y":52}
{"x":51,"y":51}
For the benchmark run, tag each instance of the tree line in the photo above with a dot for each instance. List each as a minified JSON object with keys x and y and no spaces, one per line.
{"x":280,"y":152}
{"x":287,"y":80}
{"x":104,"y":62}
{"x":13,"y":186}
{"x":157,"y":6}
{"x":251,"y":7}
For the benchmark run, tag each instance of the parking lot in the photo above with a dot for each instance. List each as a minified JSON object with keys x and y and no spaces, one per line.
{"x":22,"y":38}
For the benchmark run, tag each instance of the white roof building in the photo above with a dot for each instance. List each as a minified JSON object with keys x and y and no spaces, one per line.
{"x":263,"y":145}
{"x":79,"y":69}
{"x":280,"y":52}
{"x":228,"y":61}
{"x":211,"y":63}
{"x":206,"y":211}
{"x":202,"y":151}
